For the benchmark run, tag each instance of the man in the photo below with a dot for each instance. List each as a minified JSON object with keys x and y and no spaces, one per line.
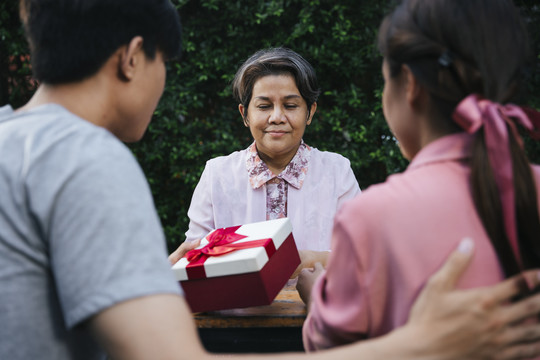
{"x":83,"y":264}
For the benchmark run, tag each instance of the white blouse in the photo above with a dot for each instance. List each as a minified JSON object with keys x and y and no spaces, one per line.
{"x":225,"y":197}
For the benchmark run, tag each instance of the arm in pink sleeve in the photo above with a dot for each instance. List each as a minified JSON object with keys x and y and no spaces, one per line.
{"x":338,"y":309}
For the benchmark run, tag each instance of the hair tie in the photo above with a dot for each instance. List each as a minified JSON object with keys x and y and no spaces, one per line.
{"x":474,"y":112}
{"x":446,"y":59}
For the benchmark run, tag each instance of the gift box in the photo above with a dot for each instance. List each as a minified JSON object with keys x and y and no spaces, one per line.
{"x":238,"y":266}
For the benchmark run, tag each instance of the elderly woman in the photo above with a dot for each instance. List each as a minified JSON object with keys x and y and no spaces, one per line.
{"x":278,"y":175}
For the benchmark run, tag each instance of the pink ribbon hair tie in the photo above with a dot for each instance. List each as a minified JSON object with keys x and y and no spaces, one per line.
{"x":474,"y":112}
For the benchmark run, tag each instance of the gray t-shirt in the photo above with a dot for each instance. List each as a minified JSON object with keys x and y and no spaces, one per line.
{"x":78,"y":233}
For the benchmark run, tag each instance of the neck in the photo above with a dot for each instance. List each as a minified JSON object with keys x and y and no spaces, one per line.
{"x":80,"y":98}
{"x":277,"y":164}
{"x":431,"y":126}
{"x":441,"y":128}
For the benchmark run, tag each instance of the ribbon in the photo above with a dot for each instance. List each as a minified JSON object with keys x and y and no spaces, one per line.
{"x":221,"y":242}
{"x":474,"y":112}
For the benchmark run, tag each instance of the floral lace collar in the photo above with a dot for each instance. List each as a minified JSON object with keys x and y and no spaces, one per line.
{"x":294,"y":173}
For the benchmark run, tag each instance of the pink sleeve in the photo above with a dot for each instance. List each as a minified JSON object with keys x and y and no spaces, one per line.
{"x":339,"y":308}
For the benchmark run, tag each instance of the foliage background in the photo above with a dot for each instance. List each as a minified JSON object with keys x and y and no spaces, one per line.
{"x":197,"y":118}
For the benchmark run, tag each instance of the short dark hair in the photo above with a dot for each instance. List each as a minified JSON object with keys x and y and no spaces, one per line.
{"x":71,"y":39}
{"x":275,"y":61}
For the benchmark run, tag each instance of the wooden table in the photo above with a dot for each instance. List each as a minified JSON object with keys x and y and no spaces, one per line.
{"x":272,"y":328}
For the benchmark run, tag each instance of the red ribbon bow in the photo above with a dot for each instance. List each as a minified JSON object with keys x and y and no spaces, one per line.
{"x":221,"y":242}
{"x":474,"y":112}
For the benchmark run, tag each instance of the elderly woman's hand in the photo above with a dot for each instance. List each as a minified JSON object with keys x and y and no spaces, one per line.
{"x":182,"y":250}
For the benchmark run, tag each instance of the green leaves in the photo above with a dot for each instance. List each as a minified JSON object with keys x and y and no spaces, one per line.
{"x":16,"y":85}
{"x":197,"y":119}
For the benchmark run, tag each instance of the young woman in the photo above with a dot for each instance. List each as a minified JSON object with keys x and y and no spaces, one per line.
{"x":452,"y":69}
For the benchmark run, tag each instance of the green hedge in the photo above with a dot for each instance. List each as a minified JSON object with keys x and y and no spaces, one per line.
{"x":198,"y":119}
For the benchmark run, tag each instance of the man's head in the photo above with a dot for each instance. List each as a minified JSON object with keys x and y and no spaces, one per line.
{"x":71,"y":39}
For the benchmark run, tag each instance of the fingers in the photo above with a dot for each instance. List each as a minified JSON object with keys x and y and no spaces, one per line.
{"x":182,"y":250}
{"x":305,"y":271}
{"x":521,"y":310}
{"x":513,"y":286}
{"x":307,"y":261}
{"x":520,"y":351}
{"x":532,"y":278}
{"x":297,"y":272}
{"x":175,"y":256}
{"x":306,"y":279}
{"x":190,"y":245}
{"x":525,"y":333}
{"x":448,"y":275}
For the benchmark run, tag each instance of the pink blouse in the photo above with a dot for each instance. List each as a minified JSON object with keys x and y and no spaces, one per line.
{"x":390,"y":239}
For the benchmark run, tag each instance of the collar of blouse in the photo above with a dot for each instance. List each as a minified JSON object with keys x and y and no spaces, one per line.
{"x":294,"y":173}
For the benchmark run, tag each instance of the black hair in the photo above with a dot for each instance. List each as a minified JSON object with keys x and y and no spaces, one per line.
{"x":460,"y":47}
{"x":276,"y":61}
{"x":71,"y":39}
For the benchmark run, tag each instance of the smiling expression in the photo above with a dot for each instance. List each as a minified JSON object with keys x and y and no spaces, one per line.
{"x":277,"y":116}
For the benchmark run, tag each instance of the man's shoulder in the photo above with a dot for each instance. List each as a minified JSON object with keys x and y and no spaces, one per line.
{"x":45,"y":119}
{"x":50,"y":134}
{"x":52,"y":125}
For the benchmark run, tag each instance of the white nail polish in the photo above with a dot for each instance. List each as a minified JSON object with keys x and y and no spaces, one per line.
{"x":466,"y":245}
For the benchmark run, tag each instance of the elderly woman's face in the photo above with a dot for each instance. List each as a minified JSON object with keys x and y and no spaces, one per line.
{"x":277,"y":116}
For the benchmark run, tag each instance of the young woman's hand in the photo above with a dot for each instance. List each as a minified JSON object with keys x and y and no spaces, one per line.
{"x":306,"y":279}
{"x":308,"y":258}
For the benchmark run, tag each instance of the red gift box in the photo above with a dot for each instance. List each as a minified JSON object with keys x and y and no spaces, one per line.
{"x":239,"y":266}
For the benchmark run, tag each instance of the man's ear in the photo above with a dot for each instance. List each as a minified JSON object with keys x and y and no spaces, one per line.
{"x":242,"y":109}
{"x":129,"y":58}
